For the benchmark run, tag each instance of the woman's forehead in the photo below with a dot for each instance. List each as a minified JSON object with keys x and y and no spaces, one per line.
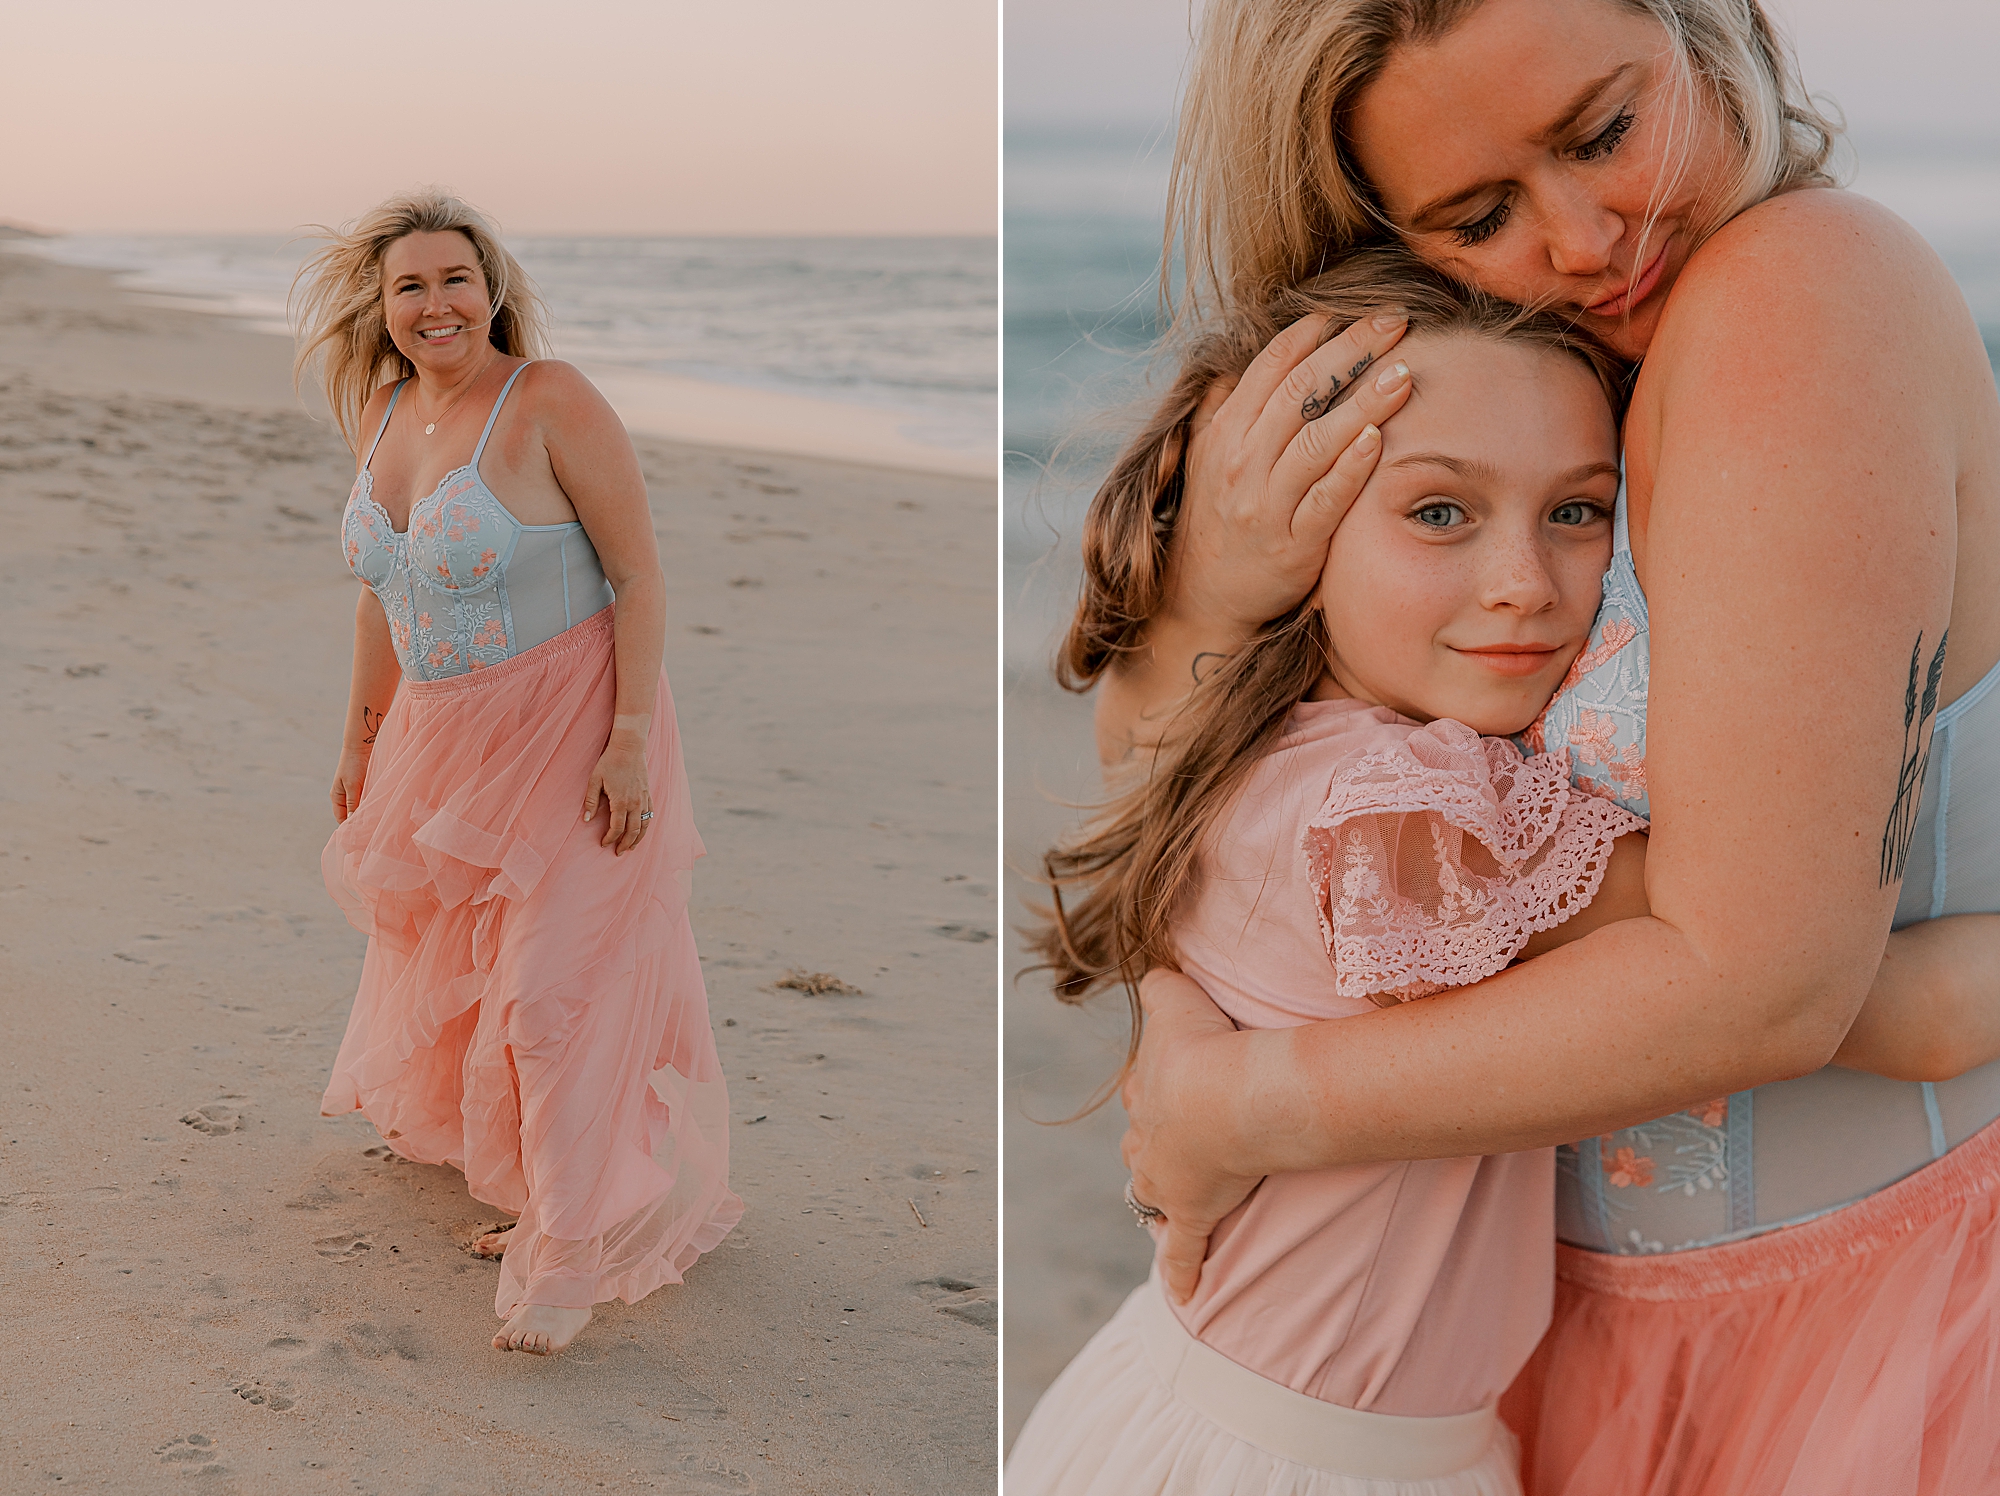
{"x":425,"y":250}
{"x":1452,"y":115}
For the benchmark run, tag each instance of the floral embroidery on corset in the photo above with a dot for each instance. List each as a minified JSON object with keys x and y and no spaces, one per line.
{"x":1627,"y":1169}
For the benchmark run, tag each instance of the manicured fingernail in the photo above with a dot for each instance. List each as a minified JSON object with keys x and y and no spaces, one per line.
{"x":1392,"y":377}
{"x":1369,"y":439}
{"x":1390,"y":321}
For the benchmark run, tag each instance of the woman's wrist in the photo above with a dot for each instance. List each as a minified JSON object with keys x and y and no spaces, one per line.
{"x":632,"y":726}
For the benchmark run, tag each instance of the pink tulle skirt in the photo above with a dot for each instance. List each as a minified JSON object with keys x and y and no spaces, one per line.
{"x":1854,"y":1355}
{"x":531,"y":1008}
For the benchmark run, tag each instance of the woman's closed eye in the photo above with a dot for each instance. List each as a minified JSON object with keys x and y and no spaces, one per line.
{"x":1606,"y":140}
{"x":1604,"y":143}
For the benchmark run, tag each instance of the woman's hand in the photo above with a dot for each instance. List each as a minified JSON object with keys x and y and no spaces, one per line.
{"x":1273,"y":466}
{"x":619,"y":781}
{"x":1176,"y":1145}
{"x":349,"y":775}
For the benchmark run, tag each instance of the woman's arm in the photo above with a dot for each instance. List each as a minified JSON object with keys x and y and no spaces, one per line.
{"x":370,"y":691}
{"x":593,"y":460}
{"x":1932,"y":1012}
{"x":1266,"y":486}
{"x":1797,"y":462}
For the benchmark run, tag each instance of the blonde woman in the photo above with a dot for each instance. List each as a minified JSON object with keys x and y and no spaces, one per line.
{"x":514,"y":835}
{"x":1780,"y":1276}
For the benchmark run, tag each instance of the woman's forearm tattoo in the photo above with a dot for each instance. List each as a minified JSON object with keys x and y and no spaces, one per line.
{"x":1317,"y":405}
{"x":371,"y":723}
{"x":1919,"y":707}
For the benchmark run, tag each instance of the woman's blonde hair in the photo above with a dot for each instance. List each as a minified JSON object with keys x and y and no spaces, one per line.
{"x":337,"y":300}
{"x":1128,"y":870}
{"x":1265,"y":189}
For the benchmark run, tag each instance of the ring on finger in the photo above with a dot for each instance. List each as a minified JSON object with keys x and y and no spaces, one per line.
{"x":1147,"y":1214}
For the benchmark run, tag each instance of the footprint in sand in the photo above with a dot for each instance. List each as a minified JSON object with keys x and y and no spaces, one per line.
{"x":344,"y":1246}
{"x":961,"y":1300}
{"x":266,"y":1395}
{"x":215,"y":1119}
{"x":193,"y":1451}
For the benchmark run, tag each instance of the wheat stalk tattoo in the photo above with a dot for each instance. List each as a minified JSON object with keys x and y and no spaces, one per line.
{"x":1918,"y":709}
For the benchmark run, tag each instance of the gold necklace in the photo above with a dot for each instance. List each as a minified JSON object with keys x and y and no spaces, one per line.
{"x":463,"y":390}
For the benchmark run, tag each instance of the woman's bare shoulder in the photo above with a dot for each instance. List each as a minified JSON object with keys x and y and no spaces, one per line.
{"x":1817,"y":247}
{"x":560,"y":397}
{"x":372,"y":415}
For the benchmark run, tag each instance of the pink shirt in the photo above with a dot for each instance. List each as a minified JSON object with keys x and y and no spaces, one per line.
{"x":1369,"y":854}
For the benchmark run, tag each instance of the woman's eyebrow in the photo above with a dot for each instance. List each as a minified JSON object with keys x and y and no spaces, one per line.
{"x":1588,"y":95}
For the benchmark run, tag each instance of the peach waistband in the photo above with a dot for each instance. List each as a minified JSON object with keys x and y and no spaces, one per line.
{"x":580,"y":636}
{"x":1320,"y":1435}
{"x":1963,"y":1176}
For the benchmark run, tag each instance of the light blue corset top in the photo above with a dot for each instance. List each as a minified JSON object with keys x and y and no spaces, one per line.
{"x":1784,"y":1153}
{"x":468,"y":585}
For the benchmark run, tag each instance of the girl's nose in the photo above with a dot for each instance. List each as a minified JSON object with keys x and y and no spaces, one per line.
{"x":1520,"y":580}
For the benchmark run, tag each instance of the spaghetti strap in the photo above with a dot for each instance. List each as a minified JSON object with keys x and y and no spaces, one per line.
{"x":494,"y":415}
{"x":394,"y":395}
{"x":1621,"y":530}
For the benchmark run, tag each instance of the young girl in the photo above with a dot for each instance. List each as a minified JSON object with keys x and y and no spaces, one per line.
{"x":1338,"y":821}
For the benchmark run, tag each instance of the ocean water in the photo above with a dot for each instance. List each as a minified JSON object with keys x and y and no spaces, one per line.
{"x":904,"y":325}
{"x":1083,"y":221}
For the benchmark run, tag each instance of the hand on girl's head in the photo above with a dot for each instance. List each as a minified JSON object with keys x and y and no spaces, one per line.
{"x":1465,"y":577}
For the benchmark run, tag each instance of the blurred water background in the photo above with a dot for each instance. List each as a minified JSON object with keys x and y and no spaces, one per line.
{"x":905,"y":326}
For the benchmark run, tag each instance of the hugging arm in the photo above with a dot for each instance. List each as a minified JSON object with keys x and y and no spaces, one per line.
{"x":1778,"y":497}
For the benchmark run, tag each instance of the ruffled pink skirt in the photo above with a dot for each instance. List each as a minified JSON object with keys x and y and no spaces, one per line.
{"x":531,"y":1008}
{"x":1855,"y":1355}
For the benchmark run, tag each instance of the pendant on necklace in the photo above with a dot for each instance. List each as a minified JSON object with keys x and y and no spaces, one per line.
{"x":430,"y":428}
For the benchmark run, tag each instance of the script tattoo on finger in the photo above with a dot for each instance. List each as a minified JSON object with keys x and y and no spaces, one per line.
{"x":1317,"y":405}
{"x":1919,"y":707}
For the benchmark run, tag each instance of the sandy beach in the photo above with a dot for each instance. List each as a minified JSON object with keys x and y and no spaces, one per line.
{"x":174,"y":978}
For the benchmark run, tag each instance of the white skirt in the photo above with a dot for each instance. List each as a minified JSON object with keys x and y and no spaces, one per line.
{"x":1145,"y":1409}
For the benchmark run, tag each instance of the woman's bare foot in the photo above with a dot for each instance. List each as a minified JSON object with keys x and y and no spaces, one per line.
{"x":493,"y":1244}
{"x":540,"y":1329}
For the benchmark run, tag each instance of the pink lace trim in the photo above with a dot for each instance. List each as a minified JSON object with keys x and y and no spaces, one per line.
{"x":1406,"y":907}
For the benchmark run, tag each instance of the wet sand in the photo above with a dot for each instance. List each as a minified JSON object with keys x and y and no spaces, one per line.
{"x":206,"y":1280}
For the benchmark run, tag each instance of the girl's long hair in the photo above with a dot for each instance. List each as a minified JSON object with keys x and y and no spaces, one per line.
{"x":1265,"y":190}
{"x":337,"y":300}
{"x":1119,"y":881}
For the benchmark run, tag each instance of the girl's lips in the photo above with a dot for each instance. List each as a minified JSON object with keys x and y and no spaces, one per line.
{"x":1636,"y":292}
{"x":1513,"y":661}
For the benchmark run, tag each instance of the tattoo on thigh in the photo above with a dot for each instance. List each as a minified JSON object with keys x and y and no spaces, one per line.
{"x":1919,"y":707}
{"x":1317,"y":405}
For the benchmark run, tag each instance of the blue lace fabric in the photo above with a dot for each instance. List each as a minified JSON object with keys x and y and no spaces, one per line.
{"x":1781,"y":1154}
{"x":444,"y":582}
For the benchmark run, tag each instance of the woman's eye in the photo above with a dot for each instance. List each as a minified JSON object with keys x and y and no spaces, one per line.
{"x":1577,"y":513}
{"x":1471,"y":234}
{"x":1440,"y":516}
{"x":1606,"y":141}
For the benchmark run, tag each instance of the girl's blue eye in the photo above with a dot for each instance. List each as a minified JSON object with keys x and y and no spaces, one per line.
{"x":1577,"y":513}
{"x":1439,"y":516}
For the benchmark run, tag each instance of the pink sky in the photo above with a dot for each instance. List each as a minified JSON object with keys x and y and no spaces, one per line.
{"x":589,"y":116}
